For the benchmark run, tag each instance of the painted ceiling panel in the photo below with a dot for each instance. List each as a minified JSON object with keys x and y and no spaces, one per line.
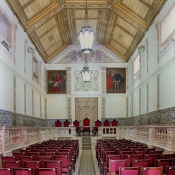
{"x":53,"y":25}
{"x":45,"y":27}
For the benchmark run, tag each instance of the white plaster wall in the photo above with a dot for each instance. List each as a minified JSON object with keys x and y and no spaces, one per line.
{"x":152,"y":49}
{"x":28,"y":101}
{"x":42,"y":108}
{"x":19,"y":96}
{"x":19,"y":51}
{"x":136,"y":103}
{"x":36,"y":105}
{"x":144,"y":99}
{"x":6,"y":88}
{"x":130,"y":106}
{"x":115,"y":106}
{"x":57,"y":108}
{"x":144,"y":64}
{"x":153,"y":95}
{"x":167,"y":87}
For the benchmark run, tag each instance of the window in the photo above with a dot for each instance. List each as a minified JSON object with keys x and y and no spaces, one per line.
{"x":35,"y":68}
{"x":137,"y":66}
{"x":168,"y":25}
{"x":5,"y":30}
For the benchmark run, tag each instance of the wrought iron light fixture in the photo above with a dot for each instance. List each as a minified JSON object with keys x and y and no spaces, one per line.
{"x":86,"y":35}
{"x":86,"y":72}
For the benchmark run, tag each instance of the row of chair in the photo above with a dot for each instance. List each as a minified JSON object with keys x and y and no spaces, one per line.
{"x":86,"y":125}
{"x":112,"y":154}
{"x":61,"y":154}
{"x":122,"y":171}
{"x":29,"y":171}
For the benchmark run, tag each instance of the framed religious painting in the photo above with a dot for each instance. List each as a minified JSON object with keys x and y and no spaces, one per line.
{"x":115,"y":80}
{"x":56,"y":81}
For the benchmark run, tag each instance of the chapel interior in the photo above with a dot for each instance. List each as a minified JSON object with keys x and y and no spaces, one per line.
{"x":105,"y":110}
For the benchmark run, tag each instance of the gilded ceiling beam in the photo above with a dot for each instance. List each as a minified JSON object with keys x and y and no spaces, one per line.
{"x":44,"y":13}
{"x":129,"y":16}
{"x":129,"y":33}
{"x":116,"y":52}
{"x":56,"y":52}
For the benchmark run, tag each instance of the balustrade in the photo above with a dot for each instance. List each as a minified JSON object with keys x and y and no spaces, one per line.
{"x":12,"y":138}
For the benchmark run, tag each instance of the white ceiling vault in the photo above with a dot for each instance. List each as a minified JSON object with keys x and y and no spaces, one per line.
{"x":53,"y":25}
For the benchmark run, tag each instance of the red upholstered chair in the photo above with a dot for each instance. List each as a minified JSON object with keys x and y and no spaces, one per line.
{"x":34,"y":154}
{"x":114,"y":123}
{"x":25,"y":158}
{"x":53,"y":164}
{"x":97,"y":124}
{"x":6,"y":171}
{"x":170,"y":170}
{"x":23,"y":171}
{"x":151,"y":170}
{"x":124,"y":154}
{"x":164,"y":163}
{"x":114,"y":166}
{"x":86,"y":125}
{"x":152,"y":158}
{"x":77,"y":126}
{"x":142,"y":153}
{"x":58,"y":123}
{"x":34,"y":164}
{"x":131,"y":157}
{"x":167,"y":156}
{"x":129,"y":170}
{"x":141,"y":163}
{"x":109,"y":158}
{"x":49,"y":153}
{"x":66,"y":164}
{"x":105,"y":124}
{"x":10,"y":164}
{"x":66,"y":123}
{"x":47,"y":171}
{"x":43,"y":158}
{"x":17,"y":154}
{"x":8,"y":158}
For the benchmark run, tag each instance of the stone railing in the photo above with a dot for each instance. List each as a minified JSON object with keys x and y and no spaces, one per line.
{"x":154,"y":136}
{"x":13,"y":138}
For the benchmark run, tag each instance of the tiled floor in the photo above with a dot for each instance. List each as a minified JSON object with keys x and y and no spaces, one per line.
{"x":78,"y":163}
{"x":77,"y":166}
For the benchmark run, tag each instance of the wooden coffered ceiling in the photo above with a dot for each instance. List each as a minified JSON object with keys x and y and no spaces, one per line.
{"x":53,"y":25}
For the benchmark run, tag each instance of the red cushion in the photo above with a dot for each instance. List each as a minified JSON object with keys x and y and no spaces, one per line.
{"x":106,"y":123}
{"x":66,"y":124}
{"x":114,"y":123}
{"x":58,"y":124}
{"x":98,"y":123}
{"x":86,"y":122}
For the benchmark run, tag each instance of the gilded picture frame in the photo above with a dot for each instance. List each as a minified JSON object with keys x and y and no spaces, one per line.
{"x":56,"y":81}
{"x":115,"y":80}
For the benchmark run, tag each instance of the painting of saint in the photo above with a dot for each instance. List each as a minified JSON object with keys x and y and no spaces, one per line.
{"x":116,"y":80}
{"x":56,"y":82}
